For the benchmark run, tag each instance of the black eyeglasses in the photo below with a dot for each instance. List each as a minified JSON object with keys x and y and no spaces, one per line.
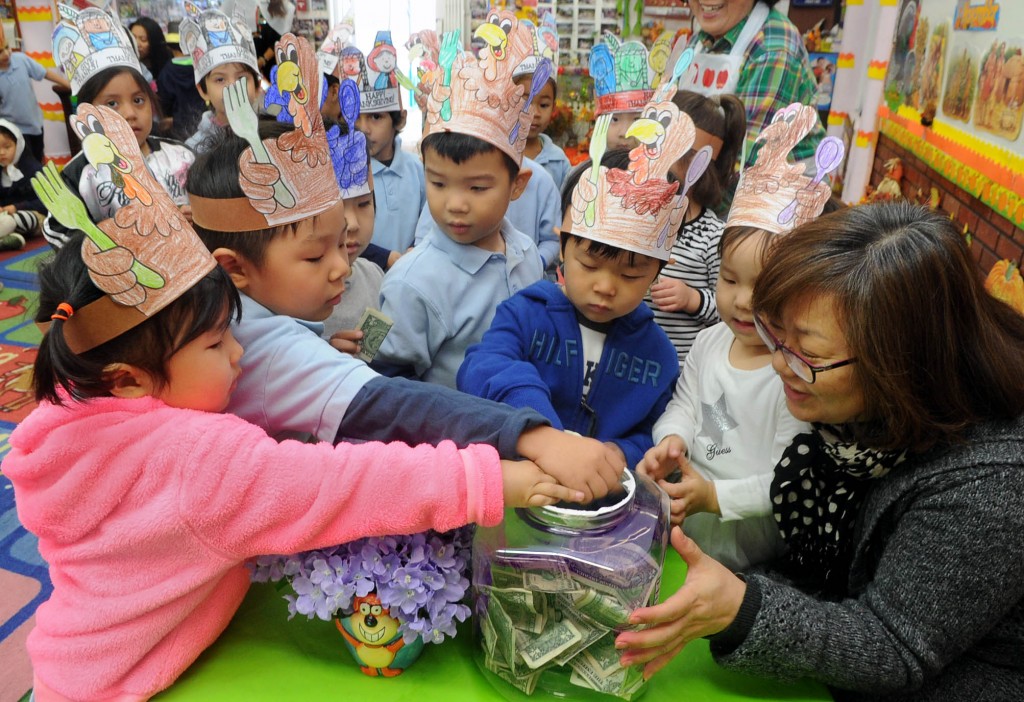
{"x":803,"y":369}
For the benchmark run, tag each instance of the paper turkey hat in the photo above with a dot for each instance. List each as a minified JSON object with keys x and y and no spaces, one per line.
{"x":88,"y":41}
{"x":378,"y":77}
{"x":545,"y":46}
{"x":476,"y":96}
{"x":287,"y":178}
{"x":774,"y":194}
{"x":145,"y":256}
{"x":639,"y":209}
{"x":622,"y":75}
{"x":214,"y":37}
{"x":340,"y":37}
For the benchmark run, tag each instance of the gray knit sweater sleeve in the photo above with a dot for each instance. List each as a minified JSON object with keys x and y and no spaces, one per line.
{"x":937,"y":587}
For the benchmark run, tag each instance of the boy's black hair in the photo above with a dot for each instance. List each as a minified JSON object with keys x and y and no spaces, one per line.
{"x":95,"y":85}
{"x":253,"y":75}
{"x":397,"y":120}
{"x":615,"y":159}
{"x":215,"y":175}
{"x":211,"y":303}
{"x":459,"y":148}
{"x":7,"y":132}
{"x":332,"y":80}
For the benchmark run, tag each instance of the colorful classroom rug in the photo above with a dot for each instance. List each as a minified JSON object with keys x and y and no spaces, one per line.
{"x":24,"y":580}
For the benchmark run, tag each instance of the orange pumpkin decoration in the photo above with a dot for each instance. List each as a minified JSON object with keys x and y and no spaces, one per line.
{"x":1005,"y":283}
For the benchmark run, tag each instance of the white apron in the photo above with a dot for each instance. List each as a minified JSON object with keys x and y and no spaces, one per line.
{"x":718,"y":74}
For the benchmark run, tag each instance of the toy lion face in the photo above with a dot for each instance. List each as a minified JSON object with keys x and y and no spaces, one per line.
{"x":371,"y":622}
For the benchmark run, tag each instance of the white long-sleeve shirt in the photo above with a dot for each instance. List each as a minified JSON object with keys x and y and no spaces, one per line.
{"x":736,"y":425}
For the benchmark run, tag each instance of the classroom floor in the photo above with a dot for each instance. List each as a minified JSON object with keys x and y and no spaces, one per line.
{"x":24,"y":579}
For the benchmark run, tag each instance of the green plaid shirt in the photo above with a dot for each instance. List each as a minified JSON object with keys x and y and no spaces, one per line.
{"x":776,"y":73}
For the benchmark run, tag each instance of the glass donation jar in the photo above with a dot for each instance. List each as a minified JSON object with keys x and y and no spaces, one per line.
{"x":553,"y":586}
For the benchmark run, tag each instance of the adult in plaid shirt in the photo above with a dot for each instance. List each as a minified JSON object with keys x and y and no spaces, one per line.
{"x":754,"y":51}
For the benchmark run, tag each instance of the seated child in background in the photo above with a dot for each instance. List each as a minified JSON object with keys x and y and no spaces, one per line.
{"x":622,"y":85}
{"x":290,"y":265}
{"x":95,"y":174}
{"x":588,"y":354}
{"x":217,"y":66}
{"x":147,"y":501}
{"x":399,"y":192}
{"x":362,"y":286}
{"x":443,"y":294}
{"x":20,"y":209}
{"x":539,"y":146}
{"x":683,"y":298}
{"x":18,"y":103}
{"x":727,"y":424}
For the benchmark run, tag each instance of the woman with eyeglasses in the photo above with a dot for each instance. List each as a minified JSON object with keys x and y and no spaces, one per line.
{"x":902,"y":510}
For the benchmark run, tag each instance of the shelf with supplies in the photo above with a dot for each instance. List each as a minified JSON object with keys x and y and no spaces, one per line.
{"x":580,"y":24}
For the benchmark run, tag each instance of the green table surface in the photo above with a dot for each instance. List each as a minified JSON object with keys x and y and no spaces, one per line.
{"x":264,"y":656}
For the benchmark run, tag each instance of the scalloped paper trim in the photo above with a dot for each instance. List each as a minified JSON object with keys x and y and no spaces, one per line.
{"x":988,"y":172}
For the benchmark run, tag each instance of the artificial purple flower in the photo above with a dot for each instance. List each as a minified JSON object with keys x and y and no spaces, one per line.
{"x":420,"y":578}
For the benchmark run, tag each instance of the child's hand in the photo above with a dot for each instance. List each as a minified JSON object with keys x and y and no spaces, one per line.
{"x":526,"y":485}
{"x":671,"y":295}
{"x":10,"y":209}
{"x":691,"y":495}
{"x":662,"y":460}
{"x":348,"y":341}
{"x":575,"y":461}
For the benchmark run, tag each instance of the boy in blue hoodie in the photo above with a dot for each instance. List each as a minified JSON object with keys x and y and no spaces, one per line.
{"x":588,"y":354}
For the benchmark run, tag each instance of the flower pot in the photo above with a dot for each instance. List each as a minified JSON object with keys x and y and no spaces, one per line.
{"x":372,"y":637}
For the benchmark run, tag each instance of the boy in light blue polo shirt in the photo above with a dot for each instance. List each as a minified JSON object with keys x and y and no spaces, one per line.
{"x":442,"y":296}
{"x":539,"y":146}
{"x":536,"y":213}
{"x":399,"y":192}
{"x":18,"y":103}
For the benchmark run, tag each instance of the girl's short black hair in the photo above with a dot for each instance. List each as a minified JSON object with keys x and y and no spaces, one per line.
{"x":617,"y":159}
{"x":211,"y":303}
{"x":8,"y":133}
{"x":459,"y":148}
{"x":95,"y":85}
{"x":214,"y":175}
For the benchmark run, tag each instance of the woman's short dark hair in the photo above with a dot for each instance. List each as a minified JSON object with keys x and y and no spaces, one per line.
{"x":159,"y":52}
{"x":95,"y":85}
{"x":211,"y":303}
{"x":214,"y":175}
{"x":935,"y":352}
{"x":725,"y":117}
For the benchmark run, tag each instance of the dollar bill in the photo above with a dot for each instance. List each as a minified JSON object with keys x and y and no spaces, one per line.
{"x":602,"y":608}
{"x":545,"y":647}
{"x":502,"y":577}
{"x":526,"y":683}
{"x":375,"y":326}
{"x":505,"y":632}
{"x":525,"y":608}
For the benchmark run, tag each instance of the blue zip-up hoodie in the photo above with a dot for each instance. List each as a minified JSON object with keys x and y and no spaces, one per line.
{"x":532,"y":356}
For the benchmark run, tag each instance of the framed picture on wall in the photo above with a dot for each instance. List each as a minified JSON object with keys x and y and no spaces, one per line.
{"x":824,"y":67}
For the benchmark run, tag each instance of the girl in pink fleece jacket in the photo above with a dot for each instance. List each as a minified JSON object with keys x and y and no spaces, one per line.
{"x":147,"y":502}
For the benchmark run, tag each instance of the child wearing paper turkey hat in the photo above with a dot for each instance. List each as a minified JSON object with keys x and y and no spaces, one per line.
{"x":146,"y":500}
{"x":443,"y":294}
{"x":99,"y":59}
{"x":268,"y":204}
{"x":594,"y":332}
{"x":222,"y":51}
{"x":727,"y":424}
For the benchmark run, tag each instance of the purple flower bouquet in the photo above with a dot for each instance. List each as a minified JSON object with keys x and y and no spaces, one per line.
{"x":418,"y":581}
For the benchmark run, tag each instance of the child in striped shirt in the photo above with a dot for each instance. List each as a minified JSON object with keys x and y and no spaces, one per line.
{"x":683,"y":297}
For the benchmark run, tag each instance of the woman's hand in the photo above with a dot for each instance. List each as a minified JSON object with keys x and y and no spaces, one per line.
{"x":671,"y":295}
{"x":706,"y":604}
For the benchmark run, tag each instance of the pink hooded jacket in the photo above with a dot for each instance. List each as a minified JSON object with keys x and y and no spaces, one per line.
{"x":145,"y":514}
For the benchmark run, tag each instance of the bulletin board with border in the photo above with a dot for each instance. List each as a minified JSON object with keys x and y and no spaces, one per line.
{"x":954,"y":95}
